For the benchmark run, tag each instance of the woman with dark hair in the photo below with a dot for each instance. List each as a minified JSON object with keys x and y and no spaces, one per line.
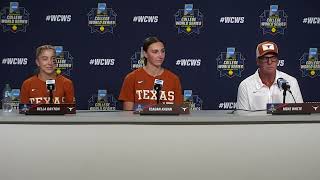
{"x":34,"y":89}
{"x":138,"y":86}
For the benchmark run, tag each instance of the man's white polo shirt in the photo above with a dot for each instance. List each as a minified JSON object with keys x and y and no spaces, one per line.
{"x":254,"y":95}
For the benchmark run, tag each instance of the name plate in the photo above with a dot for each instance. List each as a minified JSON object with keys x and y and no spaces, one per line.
{"x":293,"y":108}
{"x":47,"y":109}
{"x":163,"y":109}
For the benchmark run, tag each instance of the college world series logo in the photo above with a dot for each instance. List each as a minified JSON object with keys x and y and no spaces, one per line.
{"x":64,"y":61}
{"x":102,"y":101}
{"x":137,"y":60}
{"x":188,"y":20}
{"x":102,"y":19}
{"x":273,"y":21}
{"x":230,"y":63}
{"x":14,"y":18}
{"x":194,"y":101}
{"x":310,"y":64}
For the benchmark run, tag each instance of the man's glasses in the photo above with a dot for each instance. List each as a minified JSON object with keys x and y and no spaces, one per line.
{"x":266,"y":59}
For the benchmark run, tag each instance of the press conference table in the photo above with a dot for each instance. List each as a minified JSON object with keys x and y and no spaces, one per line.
{"x":122,"y":145}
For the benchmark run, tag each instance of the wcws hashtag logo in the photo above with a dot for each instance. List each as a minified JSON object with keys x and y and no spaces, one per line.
{"x":145,"y":19}
{"x":232,"y":20}
{"x":102,"y":62}
{"x":227,"y":105}
{"x":311,"y":20}
{"x":188,"y":62}
{"x":58,"y":18}
{"x":15,"y":61}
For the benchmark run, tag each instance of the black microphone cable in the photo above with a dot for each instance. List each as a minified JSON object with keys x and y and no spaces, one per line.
{"x":294,"y":99}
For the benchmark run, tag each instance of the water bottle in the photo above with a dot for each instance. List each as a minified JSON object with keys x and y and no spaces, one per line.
{"x":6,"y":99}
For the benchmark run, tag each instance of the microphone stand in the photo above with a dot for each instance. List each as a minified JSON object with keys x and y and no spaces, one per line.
{"x":158,"y":95}
{"x":51,"y":96}
{"x":50,"y":86}
{"x":284,"y":95}
{"x":157,"y":87}
{"x":285,"y":89}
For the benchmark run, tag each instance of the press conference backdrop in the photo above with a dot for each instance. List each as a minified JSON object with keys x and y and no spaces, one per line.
{"x":210,"y":45}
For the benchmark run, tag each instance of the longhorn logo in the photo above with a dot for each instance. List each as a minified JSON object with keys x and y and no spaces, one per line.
{"x":184,"y":108}
{"x":315,"y":107}
{"x":70,"y":108}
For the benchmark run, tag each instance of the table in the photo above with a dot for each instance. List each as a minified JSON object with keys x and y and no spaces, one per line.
{"x":121,"y":145}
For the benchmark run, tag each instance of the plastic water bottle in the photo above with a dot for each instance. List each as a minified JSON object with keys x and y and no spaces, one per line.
{"x":6,"y":99}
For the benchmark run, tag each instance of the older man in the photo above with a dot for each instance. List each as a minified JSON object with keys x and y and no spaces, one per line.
{"x":261,"y":88}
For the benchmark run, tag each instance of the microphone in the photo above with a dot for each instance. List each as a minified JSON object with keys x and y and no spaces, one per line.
{"x":283,"y":84}
{"x":51,"y":86}
{"x":158,"y":83}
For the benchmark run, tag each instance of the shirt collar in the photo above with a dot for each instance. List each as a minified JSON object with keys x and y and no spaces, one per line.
{"x":258,"y":81}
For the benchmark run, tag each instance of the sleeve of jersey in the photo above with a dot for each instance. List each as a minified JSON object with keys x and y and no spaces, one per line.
{"x":178,"y":92}
{"x":242,"y":97}
{"x":24,"y":94}
{"x":127,"y":91}
{"x":69,"y":92}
